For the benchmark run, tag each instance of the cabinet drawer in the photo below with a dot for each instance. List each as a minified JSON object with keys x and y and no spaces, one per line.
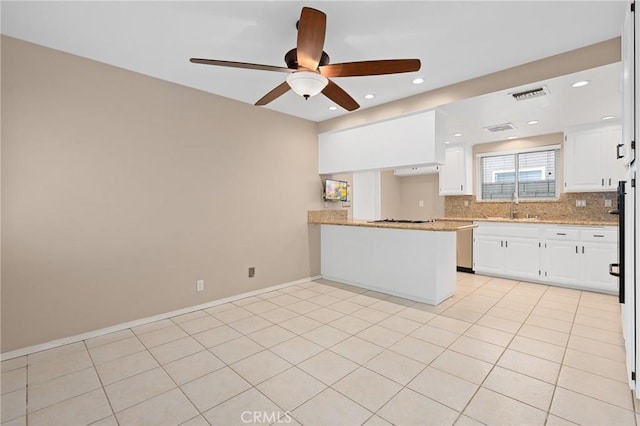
{"x":562,"y":234}
{"x":507,"y":230}
{"x":599,"y":235}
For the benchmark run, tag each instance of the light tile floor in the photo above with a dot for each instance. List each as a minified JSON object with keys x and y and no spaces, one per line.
{"x":499,"y":352}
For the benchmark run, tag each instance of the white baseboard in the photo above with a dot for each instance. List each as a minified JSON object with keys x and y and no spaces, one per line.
{"x":95,"y":333}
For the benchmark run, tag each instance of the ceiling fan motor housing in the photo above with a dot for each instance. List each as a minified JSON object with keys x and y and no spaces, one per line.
{"x":291,"y":59}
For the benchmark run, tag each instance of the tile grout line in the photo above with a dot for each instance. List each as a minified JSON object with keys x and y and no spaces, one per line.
{"x":104,"y":391}
{"x":102,"y":387}
{"x":555,"y":387}
{"x":501,"y":355}
{"x":562,"y":365}
{"x":389,"y":315}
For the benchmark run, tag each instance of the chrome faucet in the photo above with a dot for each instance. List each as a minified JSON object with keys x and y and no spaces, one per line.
{"x":514,"y":200}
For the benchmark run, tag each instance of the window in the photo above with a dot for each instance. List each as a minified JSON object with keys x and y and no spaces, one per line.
{"x":531,"y":174}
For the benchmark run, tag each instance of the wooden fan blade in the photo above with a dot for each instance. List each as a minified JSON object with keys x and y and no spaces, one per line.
{"x":311,"y":31}
{"x":274,"y":94}
{"x":364,"y":68}
{"x":240,"y":65}
{"x":339,"y":96}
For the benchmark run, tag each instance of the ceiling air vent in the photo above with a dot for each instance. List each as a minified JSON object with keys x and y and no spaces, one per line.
{"x":530,"y":94}
{"x":500,"y":127}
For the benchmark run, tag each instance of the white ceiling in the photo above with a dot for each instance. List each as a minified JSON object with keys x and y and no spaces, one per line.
{"x":564,"y":107}
{"x":455,"y":41}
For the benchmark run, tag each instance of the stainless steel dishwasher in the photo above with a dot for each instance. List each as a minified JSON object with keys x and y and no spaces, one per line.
{"x":464,"y":250}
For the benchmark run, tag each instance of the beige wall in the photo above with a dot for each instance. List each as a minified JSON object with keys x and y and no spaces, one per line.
{"x":425,"y":188}
{"x":120,"y":191}
{"x":400,"y":196}
{"x":390,"y":199}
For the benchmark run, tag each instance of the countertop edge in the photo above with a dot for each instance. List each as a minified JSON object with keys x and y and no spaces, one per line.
{"x":527,"y":221}
{"x":438,"y":226}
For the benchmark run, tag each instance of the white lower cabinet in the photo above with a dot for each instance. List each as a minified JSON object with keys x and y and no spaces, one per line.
{"x":580,"y":257}
{"x":596,"y":258}
{"x":506,"y":250}
{"x":561,"y":262}
{"x":573,"y":256}
{"x":522,"y":257}
{"x":488,"y":254}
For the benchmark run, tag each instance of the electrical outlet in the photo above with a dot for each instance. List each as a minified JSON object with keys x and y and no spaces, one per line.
{"x":608,"y":203}
{"x":466,"y":203}
{"x":252,"y":271}
{"x":581,"y":203}
{"x":199,"y":285}
{"x":421,"y":203}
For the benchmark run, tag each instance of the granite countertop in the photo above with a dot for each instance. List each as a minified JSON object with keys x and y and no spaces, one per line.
{"x":531,"y":220}
{"x":440,"y":225}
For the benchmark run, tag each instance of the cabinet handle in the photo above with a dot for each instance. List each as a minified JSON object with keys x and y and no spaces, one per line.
{"x":560,"y":233}
{"x":582,"y":249}
{"x":618,"y":156}
{"x":609,"y":181}
{"x":576,"y":249}
{"x":602,"y":181}
{"x":506,"y":244}
{"x":461,"y":185}
{"x":501,"y":243}
{"x":598,"y":235}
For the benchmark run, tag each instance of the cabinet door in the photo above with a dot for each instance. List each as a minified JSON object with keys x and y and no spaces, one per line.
{"x":561,"y":260}
{"x":522,"y":258}
{"x":594,"y":266}
{"x":615,"y":169}
{"x":584,"y":168}
{"x":488,"y":254}
{"x":453,"y":173}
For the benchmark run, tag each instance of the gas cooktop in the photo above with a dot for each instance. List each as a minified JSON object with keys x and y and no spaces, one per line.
{"x":401,"y":221}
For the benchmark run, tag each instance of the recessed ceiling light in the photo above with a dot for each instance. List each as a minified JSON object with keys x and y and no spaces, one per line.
{"x":333,"y":108}
{"x":608,"y":117}
{"x":580,"y":83}
{"x":418,"y":80}
{"x":369,"y":96}
{"x":512,"y":137}
{"x":457,"y":135}
{"x":447,"y":141}
{"x":532,"y":122}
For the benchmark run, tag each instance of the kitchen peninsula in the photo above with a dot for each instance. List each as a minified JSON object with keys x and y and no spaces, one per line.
{"x":415,"y":261}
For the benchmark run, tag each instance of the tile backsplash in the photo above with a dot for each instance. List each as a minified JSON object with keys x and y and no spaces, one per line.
{"x":564,"y":208}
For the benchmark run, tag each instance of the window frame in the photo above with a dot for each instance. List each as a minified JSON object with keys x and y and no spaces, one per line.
{"x":515,"y":152}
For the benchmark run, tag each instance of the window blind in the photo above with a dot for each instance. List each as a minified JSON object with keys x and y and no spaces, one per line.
{"x":531,"y":174}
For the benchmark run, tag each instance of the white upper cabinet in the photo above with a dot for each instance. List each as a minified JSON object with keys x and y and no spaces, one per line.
{"x":455,"y":174}
{"x":629,"y":85}
{"x":590,"y":160}
{"x":401,"y":142}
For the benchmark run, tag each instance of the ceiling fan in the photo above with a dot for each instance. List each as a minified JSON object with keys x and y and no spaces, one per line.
{"x":309,"y":68}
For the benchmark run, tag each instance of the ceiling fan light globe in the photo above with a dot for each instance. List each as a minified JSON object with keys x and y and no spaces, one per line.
{"x":307,"y":83}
